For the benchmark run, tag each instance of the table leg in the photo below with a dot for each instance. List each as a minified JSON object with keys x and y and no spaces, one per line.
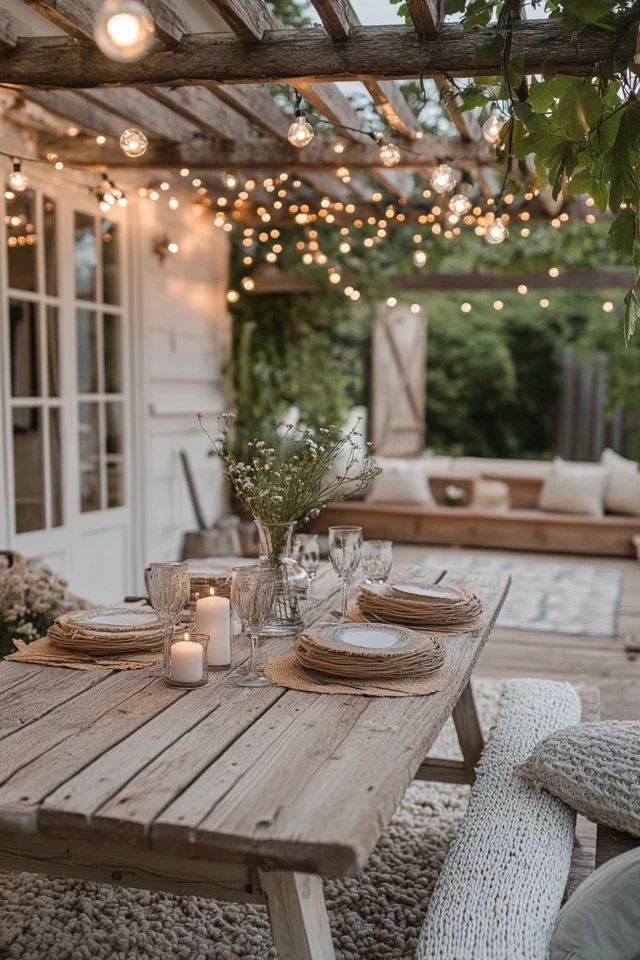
{"x":299,"y":921}
{"x":468,"y":729}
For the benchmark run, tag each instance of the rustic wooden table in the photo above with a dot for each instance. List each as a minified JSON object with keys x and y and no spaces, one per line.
{"x":225,"y":792}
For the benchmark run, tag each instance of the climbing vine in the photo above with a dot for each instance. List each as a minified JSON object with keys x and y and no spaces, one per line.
{"x":569,"y":133}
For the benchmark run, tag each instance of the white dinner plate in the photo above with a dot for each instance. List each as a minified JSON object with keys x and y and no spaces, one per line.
{"x":371,"y":638}
{"x":435,"y":592}
{"x":116,"y":618}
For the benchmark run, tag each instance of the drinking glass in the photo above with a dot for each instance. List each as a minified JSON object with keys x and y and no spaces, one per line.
{"x":345,"y":550}
{"x":377,"y":556}
{"x":253,"y":591}
{"x":169,"y":591}
{"x":306,"y":550}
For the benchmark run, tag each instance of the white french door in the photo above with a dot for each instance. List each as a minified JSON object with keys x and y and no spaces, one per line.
{"x":65,"y":388}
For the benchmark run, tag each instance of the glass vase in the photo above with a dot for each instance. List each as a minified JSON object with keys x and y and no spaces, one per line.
{"x":276,"y":540}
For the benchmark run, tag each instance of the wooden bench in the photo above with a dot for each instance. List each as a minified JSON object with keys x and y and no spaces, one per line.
{"x":536,"y":530}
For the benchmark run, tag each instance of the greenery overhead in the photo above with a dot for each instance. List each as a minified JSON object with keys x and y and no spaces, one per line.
{"x":583,"y":133}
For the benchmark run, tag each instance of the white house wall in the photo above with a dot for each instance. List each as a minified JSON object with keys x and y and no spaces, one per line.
{"x":185,"y":332}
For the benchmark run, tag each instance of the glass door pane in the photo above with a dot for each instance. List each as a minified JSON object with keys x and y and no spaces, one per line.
{"x":24,"y":341}
{"x":21,"y":239}
{"x":87,"y":326}
{"x":89,"y":442}
{"x":28,"y":469}
{"x":85,"y":258}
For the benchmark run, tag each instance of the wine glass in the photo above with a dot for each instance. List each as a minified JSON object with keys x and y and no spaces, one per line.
{"x":377,"y":557}
{"x":169,"y":591}
{"x":345,"y":550}
{"x":306,"y":550}
{"x":253,"y":591}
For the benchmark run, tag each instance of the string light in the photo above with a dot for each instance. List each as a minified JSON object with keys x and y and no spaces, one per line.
{"x":133,"y":142}
{"x":123,"y":30}
{"x":495,"y":230}
{"x":17,"y":180}
{"x":466,"y":307}
{"x":392,"y":301}
{"x":522,"y":289}
{"x":300,"y":133}
{"x":389,"y":153}
{"x":498,"y":304}
{"x":554,"y":272}
{"x":101,"y":140}
{"x":233,"y":296}
{"x":493,"y":125}
{"x":230,"y":181}
{"x":415,"y":308}
{"x":443,"y":178}
{"x":459,"y":204}
{"x":419,"y":258}
{"x":607,"y":306}
{"x":544,"y":303}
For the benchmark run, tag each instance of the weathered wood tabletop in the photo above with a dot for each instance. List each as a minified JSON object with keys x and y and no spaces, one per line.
{"x":223,"y":791}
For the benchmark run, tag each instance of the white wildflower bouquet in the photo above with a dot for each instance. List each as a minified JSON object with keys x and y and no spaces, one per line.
{"x":31,"y":597}
{"x":298,"y":474}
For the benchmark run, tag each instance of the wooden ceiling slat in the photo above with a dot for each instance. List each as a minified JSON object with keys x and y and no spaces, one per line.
{"x":135,"y":107}
{"x":202,"y":108}
{"x":337,"y":16}
{"x":170,"y":27}
{"x":427,"y":15}
{"x":77,"y":110}
{"x":310,"y":56}
{"x":249,"y":19}
{"x":10,"y":30}
{"x":257,"y":106}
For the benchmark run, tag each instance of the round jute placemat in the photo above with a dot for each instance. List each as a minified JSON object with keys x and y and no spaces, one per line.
{"x":283,"y":672}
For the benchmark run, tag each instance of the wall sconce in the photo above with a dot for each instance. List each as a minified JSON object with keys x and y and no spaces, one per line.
{"x":162,"y":247}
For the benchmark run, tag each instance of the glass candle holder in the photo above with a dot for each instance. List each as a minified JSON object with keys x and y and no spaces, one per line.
{"x":186,"y":660}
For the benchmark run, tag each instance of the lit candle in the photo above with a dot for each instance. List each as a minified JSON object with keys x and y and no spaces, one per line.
{"x":213,"y":619}
{"x":186,"y":661}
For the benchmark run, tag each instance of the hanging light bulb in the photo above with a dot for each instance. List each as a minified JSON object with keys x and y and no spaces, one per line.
{"x":493,"y":125}
{"x":301,"y":132}
{"x":389,"y":153}
{"x":459,"y":204}
{"x":230,"y":181}
{"x":443,"y":179}
{"x":123,"y":29}
{"x":419,"y":258}
{"x":495,"y":230}
{"x":17,"y":180}
{"x":133,"y":142}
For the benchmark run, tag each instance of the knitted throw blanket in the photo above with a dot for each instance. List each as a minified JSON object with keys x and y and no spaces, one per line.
{"x":502,"y":883}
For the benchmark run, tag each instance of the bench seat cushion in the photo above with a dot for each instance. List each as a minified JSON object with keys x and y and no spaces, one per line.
{"x":503,"y":880}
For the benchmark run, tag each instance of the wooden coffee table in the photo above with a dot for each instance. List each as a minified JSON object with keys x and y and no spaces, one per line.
{"x":249,"y":795}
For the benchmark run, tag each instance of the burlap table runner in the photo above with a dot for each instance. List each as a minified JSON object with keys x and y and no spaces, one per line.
{"x":46,"y":653}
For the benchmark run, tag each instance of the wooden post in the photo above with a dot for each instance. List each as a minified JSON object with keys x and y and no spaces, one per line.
{"x":299,"y":921}
{"x":468,"y":729}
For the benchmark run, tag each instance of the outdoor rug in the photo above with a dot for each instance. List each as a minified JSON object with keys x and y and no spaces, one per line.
{"x":572,"y":598}
{"x":376,"y":915}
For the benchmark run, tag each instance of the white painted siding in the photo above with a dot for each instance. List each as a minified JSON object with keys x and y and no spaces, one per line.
{"x":185,"y":333}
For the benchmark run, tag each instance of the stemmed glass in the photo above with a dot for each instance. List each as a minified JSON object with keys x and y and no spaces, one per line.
{"x":345,"y":550}
{"x":253,"y":591}
{"x":377,"y":557}
{"x":306,"y":550}
{"x":169,"y":587}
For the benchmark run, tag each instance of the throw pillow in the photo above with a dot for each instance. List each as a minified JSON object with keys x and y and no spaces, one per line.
{"x":622,"y":492}
{"x":574,"y":488}
{"x":601,"y":920}
{"x":595,"y":769}
{"x":401,"y":481}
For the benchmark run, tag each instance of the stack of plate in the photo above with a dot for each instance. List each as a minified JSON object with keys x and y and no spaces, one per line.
{"x":363,"y":651}
{"x":442,"y":609}
{"x":108,"y":631}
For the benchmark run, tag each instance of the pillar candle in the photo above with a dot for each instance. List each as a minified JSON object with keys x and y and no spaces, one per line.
{"x":186,"y":661}
{"x":213,"y":617}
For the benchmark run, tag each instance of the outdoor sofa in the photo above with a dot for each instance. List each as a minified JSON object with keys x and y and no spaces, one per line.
{"x":518,"y":525}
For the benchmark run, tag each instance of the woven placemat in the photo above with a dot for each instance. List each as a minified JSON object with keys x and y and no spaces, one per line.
{"x":282,"y":671}
{"x":46,"y":653}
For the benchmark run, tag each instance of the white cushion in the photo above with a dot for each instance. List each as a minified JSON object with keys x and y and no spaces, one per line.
{"x":622,"y":492}
{"x":595,"y":769}
{"x":574,"y":488}
{"x":501,"y":885}
{"x":401,"y":481}
{"x":490,"y":495}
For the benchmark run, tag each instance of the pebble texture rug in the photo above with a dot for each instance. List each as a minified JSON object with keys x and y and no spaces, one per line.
{"x":376,"y":915}
{"x":572,"y":598}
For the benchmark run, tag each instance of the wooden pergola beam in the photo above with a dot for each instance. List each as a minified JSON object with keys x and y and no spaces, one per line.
{"x":426,"y":15}
{"x":311,"y":56}
{"x":76,"y":109}
{"x":206,"y":153}
{"x":137,"y":108}
{"x":337,"y":16}
{"x":201,"y":108}
{"x":533,"y":279}
{"x":248,"y":19}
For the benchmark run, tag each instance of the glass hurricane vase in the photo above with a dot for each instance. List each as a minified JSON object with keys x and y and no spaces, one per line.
{"x":276,"y":540}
